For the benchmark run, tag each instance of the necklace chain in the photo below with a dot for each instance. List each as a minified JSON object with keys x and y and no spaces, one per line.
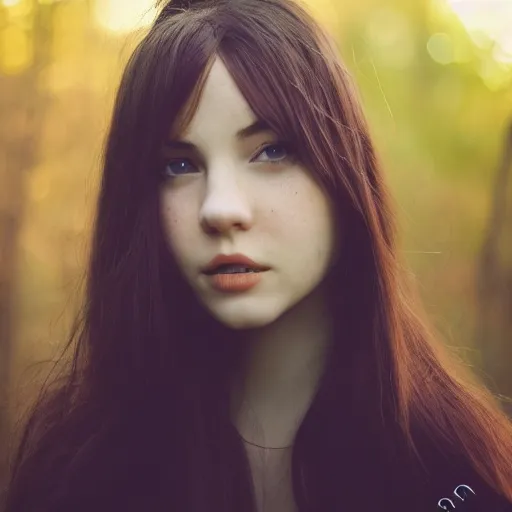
{"x":263,"y":447}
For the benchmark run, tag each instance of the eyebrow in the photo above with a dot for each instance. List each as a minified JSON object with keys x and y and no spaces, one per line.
{"x":255,"y":128}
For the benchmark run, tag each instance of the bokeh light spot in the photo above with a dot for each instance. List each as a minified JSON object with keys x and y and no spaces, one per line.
{"x":440,"y":48}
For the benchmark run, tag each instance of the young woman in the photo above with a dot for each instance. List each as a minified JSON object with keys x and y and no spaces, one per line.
{"x":250,"y":340}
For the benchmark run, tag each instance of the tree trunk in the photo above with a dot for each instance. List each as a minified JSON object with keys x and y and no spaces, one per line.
{"x":494,"y":282}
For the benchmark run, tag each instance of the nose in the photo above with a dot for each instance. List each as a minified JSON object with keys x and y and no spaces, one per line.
{"x":225,"y":207}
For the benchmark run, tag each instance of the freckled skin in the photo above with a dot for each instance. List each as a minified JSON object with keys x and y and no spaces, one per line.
{"x":238,"y":202}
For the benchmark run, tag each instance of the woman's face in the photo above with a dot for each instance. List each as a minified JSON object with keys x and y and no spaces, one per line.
{"x":227,"y":193}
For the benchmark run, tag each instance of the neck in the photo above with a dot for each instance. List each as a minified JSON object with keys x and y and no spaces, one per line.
{"x":276,"y":384}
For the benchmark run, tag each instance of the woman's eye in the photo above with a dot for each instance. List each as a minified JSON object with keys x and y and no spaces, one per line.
{"x":179,"y":166}
{"x":274,"y":153}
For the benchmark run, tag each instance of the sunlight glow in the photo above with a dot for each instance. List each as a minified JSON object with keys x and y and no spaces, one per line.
{"x":128,"y":15}
{"x":124,"y":16}
{"x":491,"y":18}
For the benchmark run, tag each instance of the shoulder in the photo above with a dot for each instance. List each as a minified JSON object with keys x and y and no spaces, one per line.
{"x":452,"y":484}
{"x":466,"y":491}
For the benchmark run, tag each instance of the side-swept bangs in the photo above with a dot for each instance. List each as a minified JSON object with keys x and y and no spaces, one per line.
{"x":288,"y":73}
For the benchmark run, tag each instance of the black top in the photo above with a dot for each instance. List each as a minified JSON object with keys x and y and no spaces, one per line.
{"x":464,"y":491}
{"x":448,"y":483}
{"x":455,"y":489}
{"x":449,"y":490}
{"x":444,"y":482}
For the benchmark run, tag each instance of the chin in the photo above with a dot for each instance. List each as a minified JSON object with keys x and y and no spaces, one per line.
{"x":244,"y":319}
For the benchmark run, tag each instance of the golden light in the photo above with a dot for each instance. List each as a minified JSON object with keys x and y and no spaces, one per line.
{"x":123,"y":15}
{"x":18,"y":53}
{"x":324,"y":10}
{"x":488,"y":19}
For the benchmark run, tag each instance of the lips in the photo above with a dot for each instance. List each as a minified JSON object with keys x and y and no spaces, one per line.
{"x":233,"y":259}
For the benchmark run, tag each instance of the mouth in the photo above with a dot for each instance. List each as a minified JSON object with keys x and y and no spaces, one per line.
{"x":233,"y":269}
{"x":233,"y":264}
{"x":234,"y":279}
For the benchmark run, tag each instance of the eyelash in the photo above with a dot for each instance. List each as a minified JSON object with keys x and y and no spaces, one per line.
{"x":284,"y":145}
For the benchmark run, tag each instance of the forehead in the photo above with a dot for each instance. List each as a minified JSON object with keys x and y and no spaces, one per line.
{"x":222,"y":109}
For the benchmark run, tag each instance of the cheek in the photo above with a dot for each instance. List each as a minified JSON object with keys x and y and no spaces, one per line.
{"x":176,"y":219}
{"x":303,"y":215}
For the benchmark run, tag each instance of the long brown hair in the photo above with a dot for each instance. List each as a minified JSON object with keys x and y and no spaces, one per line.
{"x":142,"y":420}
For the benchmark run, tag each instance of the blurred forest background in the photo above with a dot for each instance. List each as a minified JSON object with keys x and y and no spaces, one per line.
{"x":438,"y":94}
